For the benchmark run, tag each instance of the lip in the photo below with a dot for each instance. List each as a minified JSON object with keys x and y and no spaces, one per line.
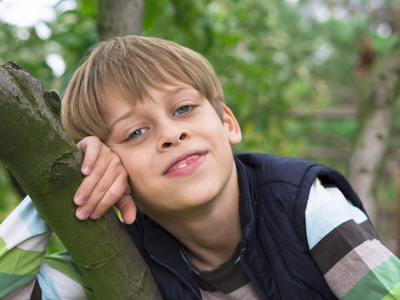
{"x":198,"y":158}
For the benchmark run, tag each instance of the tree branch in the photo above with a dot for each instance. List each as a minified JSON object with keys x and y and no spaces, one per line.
{"x":376,"y":120}
{"x":45,"y":161}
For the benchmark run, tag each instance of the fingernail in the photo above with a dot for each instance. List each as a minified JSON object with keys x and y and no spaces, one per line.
{"x":81,"y":214}
{"x":79,"y":200}
{"x":86,"y":170}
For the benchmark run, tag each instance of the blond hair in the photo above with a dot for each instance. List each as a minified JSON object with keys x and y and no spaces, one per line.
{"x":129,"y":65}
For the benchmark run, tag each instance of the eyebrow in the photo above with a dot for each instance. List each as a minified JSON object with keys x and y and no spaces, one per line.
{"x":129,"y":113}
{"x":176,"y":90}
{"x":123,"y":117}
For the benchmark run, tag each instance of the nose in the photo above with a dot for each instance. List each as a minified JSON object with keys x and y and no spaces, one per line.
{"x":172,"y":136}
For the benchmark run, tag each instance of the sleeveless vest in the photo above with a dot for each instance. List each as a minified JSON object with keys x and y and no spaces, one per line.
{"x":274,"y":251}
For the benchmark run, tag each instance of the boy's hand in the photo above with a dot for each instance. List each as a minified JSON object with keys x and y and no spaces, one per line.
{"x":105,"y":183}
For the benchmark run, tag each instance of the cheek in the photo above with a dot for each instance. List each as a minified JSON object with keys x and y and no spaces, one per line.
{"x":131,"y":161}
{"x":222,"y":136}
{"x":136,"y":178}
{"x":139,"y":174}
{"x":137,"y":187}
{"x":133,"y":168}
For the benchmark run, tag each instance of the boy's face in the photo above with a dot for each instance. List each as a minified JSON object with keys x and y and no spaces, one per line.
{"x":175,"y":149}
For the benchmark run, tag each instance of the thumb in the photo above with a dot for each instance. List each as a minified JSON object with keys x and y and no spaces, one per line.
{"x":128,"y":209}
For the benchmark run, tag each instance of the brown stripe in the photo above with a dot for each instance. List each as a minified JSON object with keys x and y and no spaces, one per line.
{"x":359,"y":262}
{"x":340,"y":241}
{"x":226,"y":278}
{"x":226,"y":281}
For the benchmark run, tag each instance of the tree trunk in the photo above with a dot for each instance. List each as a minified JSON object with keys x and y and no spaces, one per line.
{"x":42,"y":157}
{"x":376,"y":119}
{"x":119,"y":18}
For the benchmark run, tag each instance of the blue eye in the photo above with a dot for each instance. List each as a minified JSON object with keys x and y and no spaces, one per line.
{"x":182,"y":109}
{"x":137,"y":133}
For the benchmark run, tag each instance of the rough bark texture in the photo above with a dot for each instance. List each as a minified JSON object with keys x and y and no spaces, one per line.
{"x":42,"y":157}
{"x":376,"y":119}
{"x":119,"y":18}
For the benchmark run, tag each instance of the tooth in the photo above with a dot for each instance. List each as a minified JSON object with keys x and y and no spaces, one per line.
{"x":182,"y":166}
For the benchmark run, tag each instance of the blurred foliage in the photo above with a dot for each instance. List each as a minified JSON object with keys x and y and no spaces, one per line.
{"x":8,"y":196}
{"x":277,"y":61}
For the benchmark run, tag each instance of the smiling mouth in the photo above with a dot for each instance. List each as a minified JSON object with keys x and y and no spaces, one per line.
{"x":185,"y":164}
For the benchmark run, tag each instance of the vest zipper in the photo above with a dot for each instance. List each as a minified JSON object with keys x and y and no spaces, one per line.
{"x":251,"y":274}
{"x":177,"y":274}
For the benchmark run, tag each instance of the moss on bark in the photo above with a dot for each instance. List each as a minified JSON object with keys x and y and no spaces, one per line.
{"x":45,"y":161}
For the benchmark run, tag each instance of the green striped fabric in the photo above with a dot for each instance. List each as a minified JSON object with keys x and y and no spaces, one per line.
{"x":23,"y":238}
{"x":346,"y":248}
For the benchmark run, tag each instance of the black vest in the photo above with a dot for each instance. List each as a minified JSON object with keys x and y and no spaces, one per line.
{"x":273,"y":198}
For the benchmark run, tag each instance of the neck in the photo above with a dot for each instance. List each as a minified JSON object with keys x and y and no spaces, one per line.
{"x":211,"y":233}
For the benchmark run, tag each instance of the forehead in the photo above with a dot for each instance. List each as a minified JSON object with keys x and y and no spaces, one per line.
{"x":133,"y":97}
{"x":115,"y":99}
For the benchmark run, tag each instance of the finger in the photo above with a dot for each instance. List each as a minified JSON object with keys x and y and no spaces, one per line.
{"x":84,"y":190}
{"x":90,"y":148}
{"x":92,"y":186}
{"x":104,"y":194}
{"x":108,"y":191}
{"x":128,"y":209}
{"x":92,"y":183}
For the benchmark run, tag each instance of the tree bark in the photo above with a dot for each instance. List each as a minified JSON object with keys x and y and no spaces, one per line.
{"x":371,"y":142}
{"x":45,"y":161}
{"x":119,"y":18}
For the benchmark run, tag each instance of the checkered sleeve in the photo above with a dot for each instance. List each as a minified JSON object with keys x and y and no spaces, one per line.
{"x":24,"y":264}
{"x":345,"y":246}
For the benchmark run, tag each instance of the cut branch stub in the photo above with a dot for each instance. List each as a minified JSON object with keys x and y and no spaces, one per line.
{"x":38,"y":151}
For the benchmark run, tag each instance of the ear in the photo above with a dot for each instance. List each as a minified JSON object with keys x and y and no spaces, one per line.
{"x":232,"y":126}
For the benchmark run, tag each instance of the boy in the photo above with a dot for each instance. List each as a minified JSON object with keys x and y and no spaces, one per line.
{"x":214,"y":225}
